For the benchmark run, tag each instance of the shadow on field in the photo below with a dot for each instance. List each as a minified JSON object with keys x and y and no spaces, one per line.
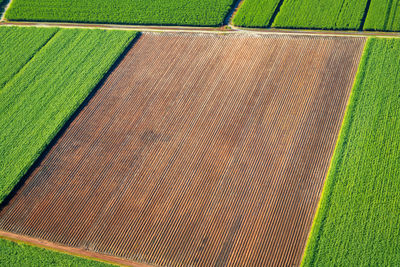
{"x":364,"y":16}
{"x":39,"y":160}
{"x":3,"y":6}
{"x":277,"y":9}
{"x":231,"y":12}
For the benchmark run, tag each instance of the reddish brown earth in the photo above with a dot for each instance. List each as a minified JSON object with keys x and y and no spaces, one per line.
{"x":197,"y":150}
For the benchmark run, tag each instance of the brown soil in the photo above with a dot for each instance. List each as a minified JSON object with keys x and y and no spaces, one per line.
{"x":197,"y":150}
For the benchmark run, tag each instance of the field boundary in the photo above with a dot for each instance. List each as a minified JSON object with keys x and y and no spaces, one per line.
{"x":207,"y":30}
{"x":3,"y":9}
{"x":364,"y":18}
{"x":340,"y":137}
{"x":60,"y":133}
{"x":79,"y":252}
{"x":229,"y":17}
{"x":277,"y":9}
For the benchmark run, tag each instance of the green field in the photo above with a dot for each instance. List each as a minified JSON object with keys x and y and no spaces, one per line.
{"x":17,"y":47}
{"x":357,"y":223}
{"x":37,"y":101}
{"x":256,"y":13}
{"x":18,"y":254}
{"x":383,"y":15}
{"x":316,"y":14}
{"x":147,"y":12}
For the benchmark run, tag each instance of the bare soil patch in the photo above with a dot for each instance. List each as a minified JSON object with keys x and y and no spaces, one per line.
{"x":197,"y":150}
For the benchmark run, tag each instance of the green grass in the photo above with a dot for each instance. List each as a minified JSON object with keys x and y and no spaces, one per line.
{"x":383,"y":15}
{"x":256,"y":13}
{"x":321,"y":14}
{"x":41,"y":97}
{"x":18,"y":254}
{"x":358,"y":219}
{"x":17,"y":46}
{"x":158,"y":12}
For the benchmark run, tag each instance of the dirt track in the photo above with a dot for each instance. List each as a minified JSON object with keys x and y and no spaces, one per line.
{"x":231,"y":29}
{"x":197,"y":150}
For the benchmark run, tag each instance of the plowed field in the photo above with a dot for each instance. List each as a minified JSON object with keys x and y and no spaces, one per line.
{"x":197,"y":150}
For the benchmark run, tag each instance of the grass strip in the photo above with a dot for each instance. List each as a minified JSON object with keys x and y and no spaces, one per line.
{"x":145,"y":12}
{"x":19,"y":254}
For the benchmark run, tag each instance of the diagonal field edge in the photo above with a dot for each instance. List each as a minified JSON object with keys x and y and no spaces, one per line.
{"x":39,"y":160}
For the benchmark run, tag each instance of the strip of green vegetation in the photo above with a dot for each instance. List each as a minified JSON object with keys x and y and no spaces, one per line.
{"x":42,"y":96}
{"x":147,"y":12}
{"x":316,"y":14}
{"x":18,"y":254}
{"x":383,"y":15}
{"x":17,"y":47}
{"x":256,"y":13}
{"x":357,"y":223}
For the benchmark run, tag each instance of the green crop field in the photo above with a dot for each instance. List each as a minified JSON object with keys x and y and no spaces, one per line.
{"x":256,"y":13}
{"x":383,"y":15}
{"x":357,"y":223}
{"x":37,"y":101}
{"x":17,"y":47}
{"x":160,"y":12}
{"x":18,"y":254}
{"x":316,"y":14}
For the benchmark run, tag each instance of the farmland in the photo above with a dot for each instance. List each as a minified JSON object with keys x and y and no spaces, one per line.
{"x":17,"y":254}
{"x":328,"y":14}
{"x":41,"y":96}
{"x":148,"y":12}
{"x":359,"y":214}
{"x":14,"y":57}
{"x":197,"y":149}
{"x":191,"y":146}
{"x":371,"y":15}
{"x":383,"y":15}
{"x":256,"y":13}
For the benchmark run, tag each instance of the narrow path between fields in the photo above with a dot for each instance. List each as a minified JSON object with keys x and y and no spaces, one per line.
{"x":227,"y":27}
{"x":205,"y":30}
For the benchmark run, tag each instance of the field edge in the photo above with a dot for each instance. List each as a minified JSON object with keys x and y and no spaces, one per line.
{"x":76,"y":252}
{"x":320,"y":214}
{"x":24,"y":172}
